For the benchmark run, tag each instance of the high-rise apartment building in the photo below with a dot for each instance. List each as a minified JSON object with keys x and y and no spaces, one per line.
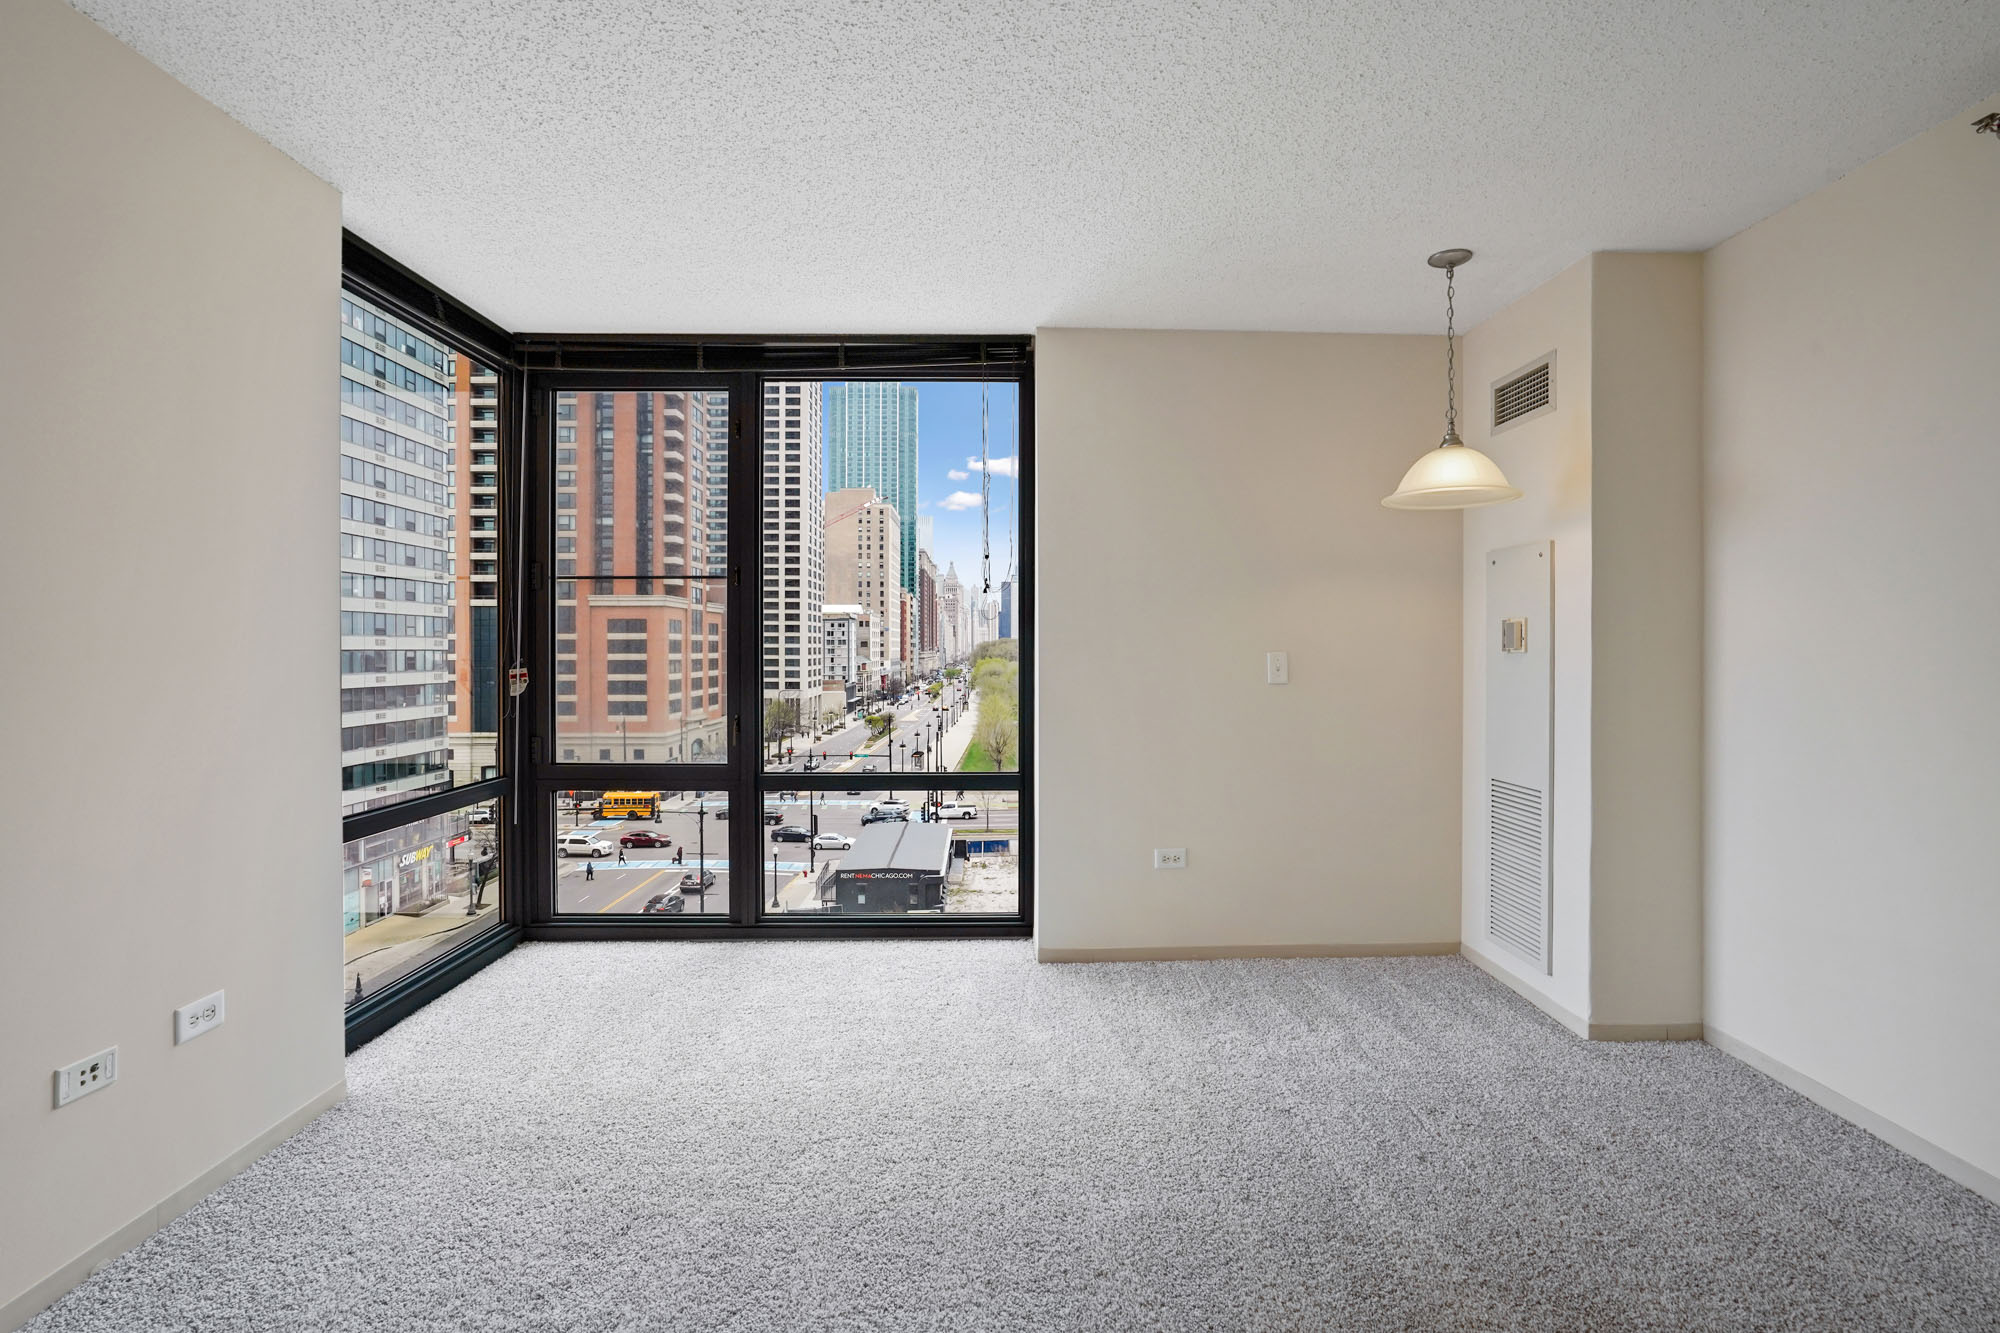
{"x":475,"y":707}
{"x":794,"y":545}
{"x":639,"y":629}
{"x":713,"y":461}
{"x":398,"y":521}
{"x":864,"y":562}
{"x":871,"y":441}
{"x":1007,"y":609}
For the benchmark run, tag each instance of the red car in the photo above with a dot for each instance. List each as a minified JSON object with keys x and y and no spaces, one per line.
{"x":645,"y":838}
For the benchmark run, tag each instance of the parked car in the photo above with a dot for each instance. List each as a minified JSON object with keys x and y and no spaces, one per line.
{"x":483,"y":815}
{"x":833,"y":842}
{"x":577,"y":843}
{"x":698,"y":881}
{"x":954,"y":810}
{"x":641,"y":837}
{"x":790,"y":833}
{"x":665,"y":902}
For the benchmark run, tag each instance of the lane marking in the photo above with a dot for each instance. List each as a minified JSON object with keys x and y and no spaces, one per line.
{"x":629,"y":892}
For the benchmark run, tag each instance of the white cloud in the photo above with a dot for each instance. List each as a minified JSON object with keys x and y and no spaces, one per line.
{"x":999,"y":467}
{"x":959,"y":500}
{"x":957,"y":475}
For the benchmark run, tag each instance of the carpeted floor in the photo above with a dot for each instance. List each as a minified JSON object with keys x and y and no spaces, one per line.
{"x":854,"y":1136}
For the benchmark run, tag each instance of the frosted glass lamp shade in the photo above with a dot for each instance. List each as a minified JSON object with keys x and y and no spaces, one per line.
{"x":1452,"y":477}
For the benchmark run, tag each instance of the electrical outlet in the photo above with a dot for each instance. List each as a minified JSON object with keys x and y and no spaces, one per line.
{"x":86,"y":1076}
{"x":1170,"y":858}
{"x":1277,"y":668}
{"x":192,"y":1020}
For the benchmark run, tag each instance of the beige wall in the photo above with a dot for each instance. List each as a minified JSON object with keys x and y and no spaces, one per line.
{"x":1205,"y":498}
{"x":170,"y":817}
{"x":1646,"y":662}
{"x":1853,"y":737}
{"x":1549,"y":459}
{"x":1611,"y":476}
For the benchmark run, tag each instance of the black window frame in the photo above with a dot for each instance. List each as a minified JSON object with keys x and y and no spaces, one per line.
{"x":741,"y":366}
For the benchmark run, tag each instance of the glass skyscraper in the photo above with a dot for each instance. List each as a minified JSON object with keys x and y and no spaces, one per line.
{"x":871,"y":440}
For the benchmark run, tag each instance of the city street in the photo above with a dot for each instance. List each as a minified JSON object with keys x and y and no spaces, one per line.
{"x":783,"y":866}
{"x":913,"y":731}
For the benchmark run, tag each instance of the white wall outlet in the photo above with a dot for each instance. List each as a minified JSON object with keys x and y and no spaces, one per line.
{"x":1170,"y":858}
{"x":192,"y":1020}
{"x":86,"y":1075}
{"x":1277,"y":668}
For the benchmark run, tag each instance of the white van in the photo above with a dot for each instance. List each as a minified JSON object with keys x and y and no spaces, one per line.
{"x":578,"y":843}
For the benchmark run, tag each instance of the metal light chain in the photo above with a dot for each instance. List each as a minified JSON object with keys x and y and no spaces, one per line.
{"x":1450,"y":360}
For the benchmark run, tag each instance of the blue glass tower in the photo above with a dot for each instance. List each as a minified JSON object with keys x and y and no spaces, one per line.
{"x":871,"y":440}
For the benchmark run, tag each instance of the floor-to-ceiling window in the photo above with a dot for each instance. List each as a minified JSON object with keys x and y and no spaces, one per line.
{"x":811,"y":717}
{"x":422,"y":452}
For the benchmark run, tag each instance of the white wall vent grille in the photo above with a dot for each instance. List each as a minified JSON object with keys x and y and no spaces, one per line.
{"x":1517,"y":898}
{"x":1525,"y":393}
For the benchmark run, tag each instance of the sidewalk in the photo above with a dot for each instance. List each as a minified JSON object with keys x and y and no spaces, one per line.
{"x":959,"y":739}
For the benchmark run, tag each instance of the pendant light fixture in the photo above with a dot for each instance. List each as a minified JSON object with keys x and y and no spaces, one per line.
{"x":1451,"y":476}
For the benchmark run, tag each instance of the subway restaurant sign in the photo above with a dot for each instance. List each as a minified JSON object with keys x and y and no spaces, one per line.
{"x":411,"y":858}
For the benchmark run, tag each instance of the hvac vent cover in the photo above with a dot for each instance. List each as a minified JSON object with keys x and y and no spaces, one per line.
{"x":1517,"y":903}
{"x":1526,"y":393}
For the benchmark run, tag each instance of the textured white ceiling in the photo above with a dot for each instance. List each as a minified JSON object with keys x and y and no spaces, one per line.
{"x":942,"y":166}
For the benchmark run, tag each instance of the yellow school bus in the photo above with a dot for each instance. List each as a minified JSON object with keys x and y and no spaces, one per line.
{"x":629,"y":805}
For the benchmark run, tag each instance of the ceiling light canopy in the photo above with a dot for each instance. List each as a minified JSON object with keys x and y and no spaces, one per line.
{"x":1451,"y":476}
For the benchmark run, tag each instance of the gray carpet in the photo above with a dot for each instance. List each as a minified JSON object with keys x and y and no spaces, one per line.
{"x":851,"y":1136}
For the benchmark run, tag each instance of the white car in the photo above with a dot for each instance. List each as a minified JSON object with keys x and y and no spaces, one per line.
{"x":833,"y":842}
{"x":582,"y":844}
{"x":953,"y":810}
{"x":890,"y":807}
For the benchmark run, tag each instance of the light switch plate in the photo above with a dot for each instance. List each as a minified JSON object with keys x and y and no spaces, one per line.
{"x":1277,"y":668}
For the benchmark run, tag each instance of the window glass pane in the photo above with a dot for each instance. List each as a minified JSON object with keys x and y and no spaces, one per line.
{"x":923,"y":852}
{"x":419,"y":562}
{"x":411,"y":893}
{"x":642,"y":853}
{"x":642,"y":577}
{"x":880,"y":504}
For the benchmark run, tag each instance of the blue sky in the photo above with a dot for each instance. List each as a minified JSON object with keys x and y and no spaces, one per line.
{"x":947,"y":452}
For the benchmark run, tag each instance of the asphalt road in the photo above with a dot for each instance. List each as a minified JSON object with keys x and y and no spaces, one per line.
{"x":913,"y":730}
{"x":610,"y":888}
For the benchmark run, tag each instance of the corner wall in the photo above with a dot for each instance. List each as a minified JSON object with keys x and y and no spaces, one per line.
{"x":171,"y":811}
{"x":1205,"y":498}
{"x":1853,"y":735}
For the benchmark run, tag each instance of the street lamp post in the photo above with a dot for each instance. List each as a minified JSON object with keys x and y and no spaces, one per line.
{"x":622,"y":755}
{"x":701,"y":857}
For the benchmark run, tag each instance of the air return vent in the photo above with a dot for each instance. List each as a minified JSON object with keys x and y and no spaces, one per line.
{"x":1517,"y":902}
{"x":1525,"y":393}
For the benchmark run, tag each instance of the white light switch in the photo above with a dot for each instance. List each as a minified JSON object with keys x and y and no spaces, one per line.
{"x":1277,"y":668}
